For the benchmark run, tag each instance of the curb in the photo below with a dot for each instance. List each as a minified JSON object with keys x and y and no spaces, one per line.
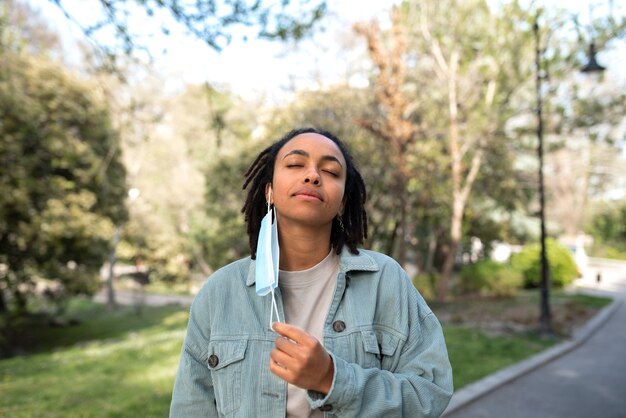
{"x":480,"y":388}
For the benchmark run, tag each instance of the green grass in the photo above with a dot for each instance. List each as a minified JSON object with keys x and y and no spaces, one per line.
{"x":121,"y":364}
{"x":112,"y":365}
{"x":474,"y":355}
{"x":588,"y":301}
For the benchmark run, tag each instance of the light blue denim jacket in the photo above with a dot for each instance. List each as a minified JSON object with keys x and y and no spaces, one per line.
{"x":388,"y":349}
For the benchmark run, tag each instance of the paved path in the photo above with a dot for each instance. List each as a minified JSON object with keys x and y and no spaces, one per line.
{"x":131,"y":298}
{"x":589,"y":381}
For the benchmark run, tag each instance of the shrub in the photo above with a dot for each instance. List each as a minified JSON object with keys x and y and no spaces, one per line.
{"x":604,"y":250}
{"x":489,"y":278}
{"x":563,"y":269}
{"x":426,"y":284}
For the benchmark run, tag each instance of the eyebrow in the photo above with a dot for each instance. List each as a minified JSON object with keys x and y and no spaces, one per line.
{"x":306,"y":154}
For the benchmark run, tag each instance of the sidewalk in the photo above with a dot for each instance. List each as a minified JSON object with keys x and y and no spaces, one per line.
{"x":131,"y":298}
{"x":583,"y":377}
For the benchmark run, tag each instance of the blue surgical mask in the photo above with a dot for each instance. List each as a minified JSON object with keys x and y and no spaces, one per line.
{"x":267,"y":254}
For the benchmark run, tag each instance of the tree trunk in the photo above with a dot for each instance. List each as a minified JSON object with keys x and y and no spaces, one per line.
{"x":20,"y":302}
{"x":3,"y":304}
{"x":456,"y":167}
{"x":204,"y":266}
{"x":455,"y":239}
{"x":402,"y":229}
{"x":392,"y":238}
{"x":432,"y":249}
{"x":111,"y":304}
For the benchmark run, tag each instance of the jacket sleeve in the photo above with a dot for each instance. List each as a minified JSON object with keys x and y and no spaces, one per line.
{"x":419,"y":386}
{"x":193,"y":394}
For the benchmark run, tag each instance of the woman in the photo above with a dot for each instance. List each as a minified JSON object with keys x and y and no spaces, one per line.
{"x":355,"y":338}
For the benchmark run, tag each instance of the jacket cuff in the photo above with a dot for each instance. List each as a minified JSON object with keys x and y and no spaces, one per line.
{"x":341,"y":390}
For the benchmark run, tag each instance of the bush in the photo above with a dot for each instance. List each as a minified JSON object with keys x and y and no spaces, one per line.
{"x":563,"y":269}
{"x":603,"y":250}
{"x":426,"y":284}
{"x":489,"y":278}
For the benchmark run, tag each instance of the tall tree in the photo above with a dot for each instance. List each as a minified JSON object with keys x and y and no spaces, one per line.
{"x":395,"y":126}
{"x":457,"y":68}
{"x":25,"y":29}
{"x":467,"y":62}
{"x":174,"y":146}
{"x":62,"y":181}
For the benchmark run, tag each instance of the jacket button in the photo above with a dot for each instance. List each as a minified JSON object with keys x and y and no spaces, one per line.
{"x":213,"y":360}
{"x":339,"y":326}
{"x":326,"y":408}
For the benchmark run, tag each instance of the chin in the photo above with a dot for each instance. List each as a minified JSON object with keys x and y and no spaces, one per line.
{"x":306,"y":219}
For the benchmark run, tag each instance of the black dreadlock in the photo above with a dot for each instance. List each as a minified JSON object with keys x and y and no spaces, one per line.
{"x":261,"y":172}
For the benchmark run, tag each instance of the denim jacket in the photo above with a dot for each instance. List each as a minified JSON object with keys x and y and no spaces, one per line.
{"x":387,"y":346}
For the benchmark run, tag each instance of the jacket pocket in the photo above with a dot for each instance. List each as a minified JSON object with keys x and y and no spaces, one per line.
{"x":379,"y":347}
{"x":225,"y":360}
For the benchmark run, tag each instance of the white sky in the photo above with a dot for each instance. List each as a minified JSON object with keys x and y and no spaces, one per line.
{"x":253,"y":67}
{"x":263,"y":68}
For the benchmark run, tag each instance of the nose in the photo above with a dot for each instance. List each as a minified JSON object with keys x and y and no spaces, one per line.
{"x":312,"y":177}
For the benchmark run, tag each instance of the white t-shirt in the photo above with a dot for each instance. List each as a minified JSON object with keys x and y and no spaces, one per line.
{"x":307,"y":295}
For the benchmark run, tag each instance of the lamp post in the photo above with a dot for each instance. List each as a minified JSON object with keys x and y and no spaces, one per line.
{"x":545,"y":321}
{"x":592,"y":66}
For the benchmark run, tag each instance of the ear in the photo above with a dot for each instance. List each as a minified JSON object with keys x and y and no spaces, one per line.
{"x":268,"y":194}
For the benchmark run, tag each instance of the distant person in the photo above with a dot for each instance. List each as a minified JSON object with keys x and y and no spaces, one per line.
{"x":355,"y":339}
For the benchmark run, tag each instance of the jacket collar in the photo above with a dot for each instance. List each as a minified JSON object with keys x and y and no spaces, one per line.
{"x":347,"y":262}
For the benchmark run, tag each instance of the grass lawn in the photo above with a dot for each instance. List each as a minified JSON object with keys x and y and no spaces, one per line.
{"x":474,"y":354}
{"x":112,"y":365}
{"x":486,"y":335}
{"x":123,"y":365}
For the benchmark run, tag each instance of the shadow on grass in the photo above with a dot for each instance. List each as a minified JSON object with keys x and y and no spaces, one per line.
{"x":126,"y":373}
{"x":89,"y":321}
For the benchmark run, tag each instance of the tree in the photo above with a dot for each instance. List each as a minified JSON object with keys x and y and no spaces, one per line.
{"x":175,"y":145}
{"x":608,"y":228}
{"x":466,"y":62}
{"x":24,"y":29}
{"x":394,"y":126}
{"x":584,"y":160}
{"x":62,"y":180}
{"x":211,"y":21}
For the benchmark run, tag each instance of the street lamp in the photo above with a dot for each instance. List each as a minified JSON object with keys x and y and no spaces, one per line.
{"x":592,"y":66}
{"x":545,"y":321}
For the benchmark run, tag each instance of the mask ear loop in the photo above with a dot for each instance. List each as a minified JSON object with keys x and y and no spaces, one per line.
{"x":274,"y":308}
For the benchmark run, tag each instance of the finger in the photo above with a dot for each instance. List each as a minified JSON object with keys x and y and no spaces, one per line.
{"x":286,"y":345}
{"x":278,"y":366}
{"x":292,"y":332}
{"x":279,"y":371}
{"x":281,"y":359}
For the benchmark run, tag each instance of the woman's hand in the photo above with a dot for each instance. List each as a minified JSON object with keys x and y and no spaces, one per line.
{"x":300,"y":359}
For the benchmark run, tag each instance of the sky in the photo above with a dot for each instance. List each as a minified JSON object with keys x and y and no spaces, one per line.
{"x":258,"y":68}
{"x":251,"y":68}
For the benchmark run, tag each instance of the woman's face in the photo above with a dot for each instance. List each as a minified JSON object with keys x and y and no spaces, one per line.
{"x":309,"y":181}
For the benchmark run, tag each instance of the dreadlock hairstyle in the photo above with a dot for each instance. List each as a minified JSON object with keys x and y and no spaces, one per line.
{"x":261,"y":172}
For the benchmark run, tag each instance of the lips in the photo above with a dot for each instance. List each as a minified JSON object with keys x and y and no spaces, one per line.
{"x":308,"y":193}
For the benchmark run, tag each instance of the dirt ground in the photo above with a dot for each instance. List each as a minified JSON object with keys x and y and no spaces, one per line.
{"x":506,"y":316}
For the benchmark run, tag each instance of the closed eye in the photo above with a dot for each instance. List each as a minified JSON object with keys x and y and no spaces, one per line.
{"x":332,"y":173}
{"x":294,"y":165}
